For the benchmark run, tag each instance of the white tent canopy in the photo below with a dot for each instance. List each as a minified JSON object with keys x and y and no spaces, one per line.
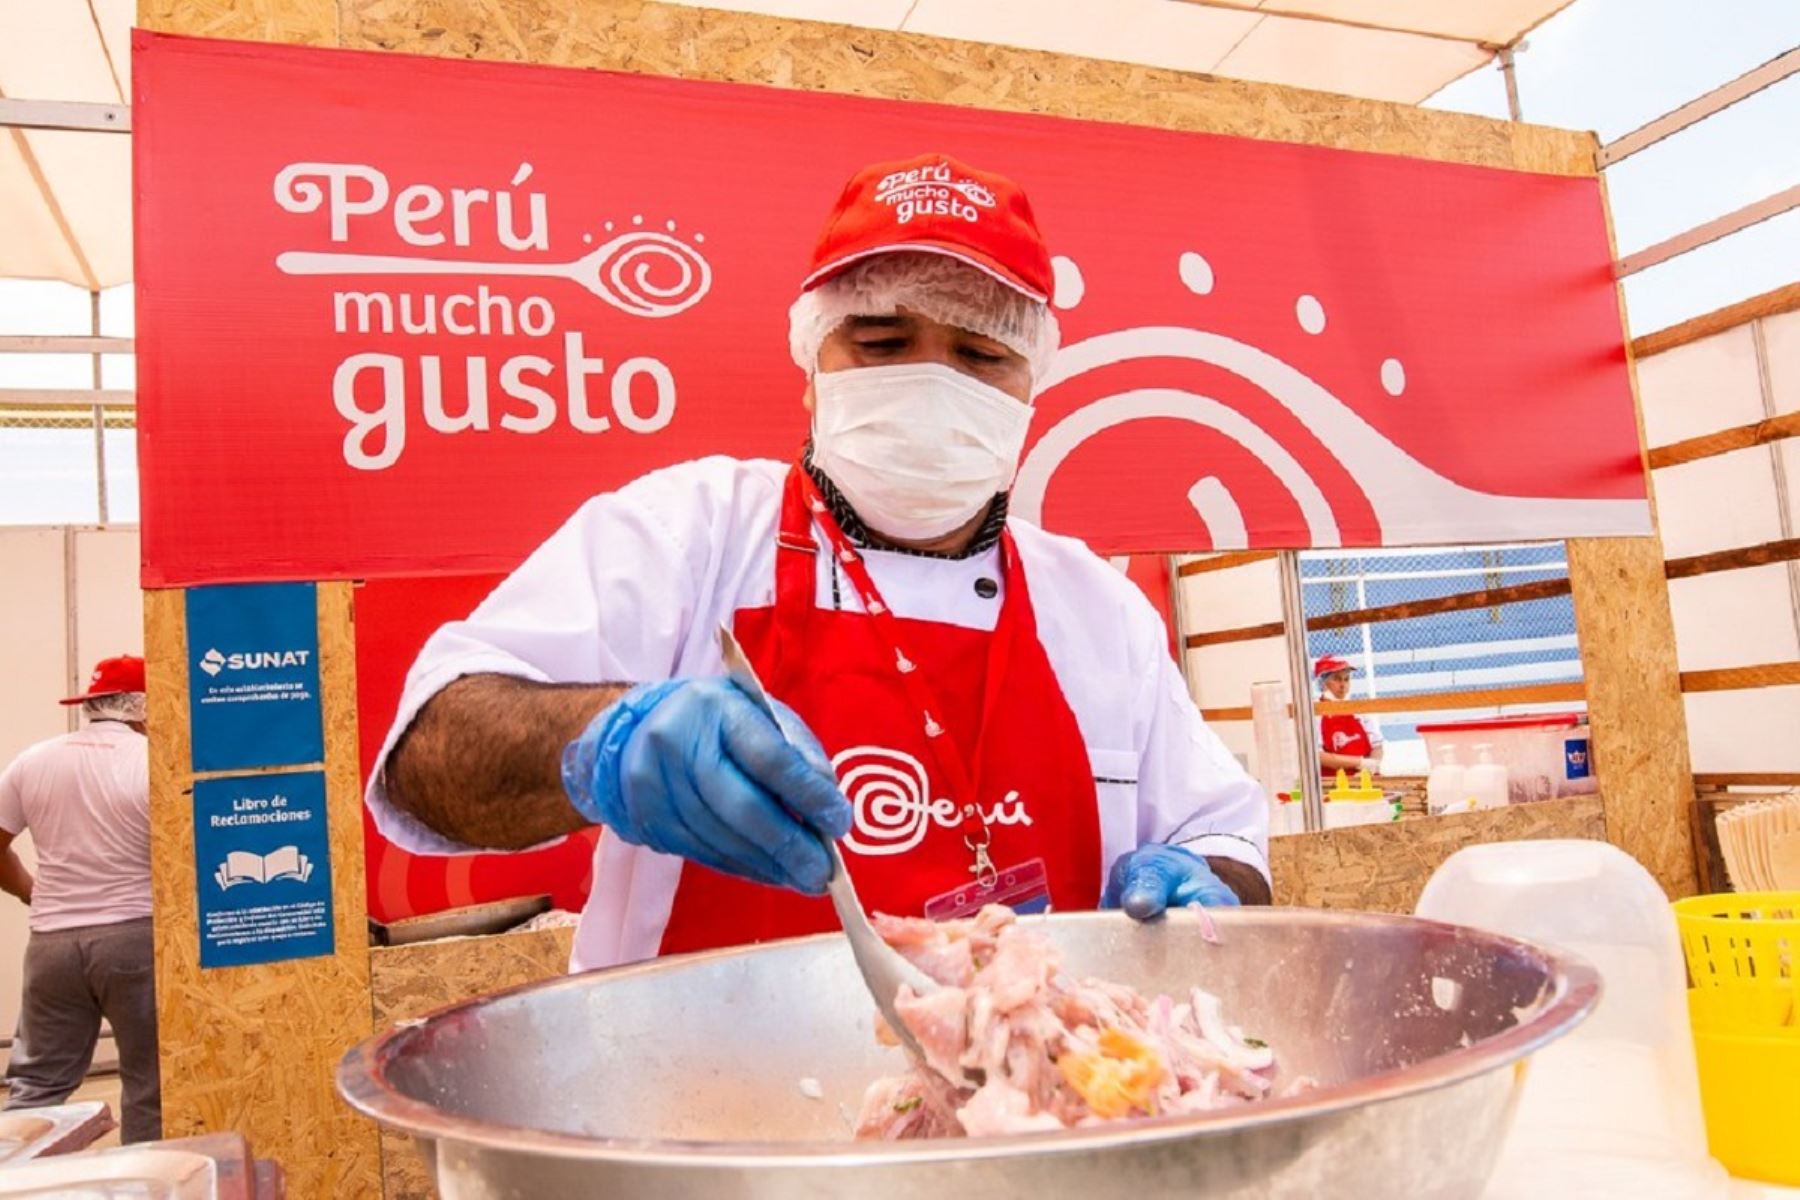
{"x":65,"y":195}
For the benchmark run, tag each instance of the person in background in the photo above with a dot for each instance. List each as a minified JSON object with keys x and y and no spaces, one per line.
{"x":85,"y":797}
{"x":1345,"y":743}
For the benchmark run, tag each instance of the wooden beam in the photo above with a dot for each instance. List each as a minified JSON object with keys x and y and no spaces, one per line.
{"x":35,"y":344}
{"x":1244,"y":633}
{"x":1542,"y":589}
{"x":1786,"y":550}
{"x":79,"y":116}
{"x":1738,"y":679}
{"x":1241,"y":713}
{"x":1224,"y":562}
{"x":1747,"y":779}
{"x":1518,"y":593}
{"x":1735,"y":221}
{"x":1738,"y":437}
{"x":1700,"y":108}
{"x":1769,"y":304}
{"x":1573,"y":692}
{"x":1637,"y":721}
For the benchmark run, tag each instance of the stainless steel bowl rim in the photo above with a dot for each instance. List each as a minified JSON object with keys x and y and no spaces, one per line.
{"x":363,"y":1084}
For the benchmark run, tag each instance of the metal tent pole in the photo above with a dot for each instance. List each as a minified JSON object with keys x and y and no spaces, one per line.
{"x":1293,"y":617}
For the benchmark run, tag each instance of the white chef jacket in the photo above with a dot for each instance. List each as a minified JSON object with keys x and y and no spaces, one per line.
{"x":633,"y":586}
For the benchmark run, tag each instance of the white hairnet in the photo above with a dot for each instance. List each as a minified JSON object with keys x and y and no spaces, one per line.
{"x":944,"y":289}
{"x":120,"y":706}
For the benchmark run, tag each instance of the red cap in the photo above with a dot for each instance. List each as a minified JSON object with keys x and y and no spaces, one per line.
{"x":1330,"y":664}
{"x":111,"y":677}
{"x":937,"y":205}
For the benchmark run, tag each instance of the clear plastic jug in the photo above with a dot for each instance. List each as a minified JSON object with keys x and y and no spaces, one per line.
{"x":1613,"y":1109}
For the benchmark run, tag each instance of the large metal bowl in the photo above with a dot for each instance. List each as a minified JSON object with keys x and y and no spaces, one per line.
{"x":681,"y":1077}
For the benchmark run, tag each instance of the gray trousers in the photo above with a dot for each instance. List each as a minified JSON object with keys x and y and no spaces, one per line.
{"x":73,"y":977}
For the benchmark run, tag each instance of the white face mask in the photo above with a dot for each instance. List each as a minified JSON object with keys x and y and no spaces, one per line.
{"x":917,"y":449}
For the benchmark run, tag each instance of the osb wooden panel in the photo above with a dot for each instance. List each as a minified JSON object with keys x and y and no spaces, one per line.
{"x":1626,"y":632}
{"x":696,"y":43}
{"x":1383,"y":868}
{"x":1639,"y":724}
{"x":253,"y":1049}
{"x":410,"y":981}
{"x":308,"y":22}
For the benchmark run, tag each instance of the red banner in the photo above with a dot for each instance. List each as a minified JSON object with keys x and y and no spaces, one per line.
{"x":399,"y":316}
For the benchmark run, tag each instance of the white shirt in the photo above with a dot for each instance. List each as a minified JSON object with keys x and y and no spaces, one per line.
{"x":632,"y":587}
{"x":85,"y":797}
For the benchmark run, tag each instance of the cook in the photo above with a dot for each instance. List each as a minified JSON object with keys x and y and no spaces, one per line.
{"x":1346,"y":744}
{"x":986,"y":711}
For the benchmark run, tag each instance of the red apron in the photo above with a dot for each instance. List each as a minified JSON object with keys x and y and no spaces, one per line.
{"x":1343,"y":733}
{"x":992,"y":696}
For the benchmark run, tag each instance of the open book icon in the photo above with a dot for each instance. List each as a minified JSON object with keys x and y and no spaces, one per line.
{"x":243,"y":866}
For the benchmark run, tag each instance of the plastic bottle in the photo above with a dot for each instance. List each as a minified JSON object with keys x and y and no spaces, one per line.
{"x":1486,"y":781}
{"x":1444,"y":788}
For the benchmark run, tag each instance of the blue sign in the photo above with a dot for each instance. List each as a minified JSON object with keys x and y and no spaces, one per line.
{"x":262,"y":859}
{"x":253,"y":676}
{"x":1575,"y":759}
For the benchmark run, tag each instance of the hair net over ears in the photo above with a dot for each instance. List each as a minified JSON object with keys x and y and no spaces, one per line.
{"x":120,"y":706}
{"x":944,"y":289}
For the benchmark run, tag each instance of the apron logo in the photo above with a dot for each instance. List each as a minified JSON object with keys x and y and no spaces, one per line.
{"x":891,"y":803}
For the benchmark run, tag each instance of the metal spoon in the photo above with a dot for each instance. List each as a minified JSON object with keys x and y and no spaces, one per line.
{"x":883,"y":969}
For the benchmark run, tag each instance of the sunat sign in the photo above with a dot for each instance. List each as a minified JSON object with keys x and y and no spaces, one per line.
{"x":212,"y":662}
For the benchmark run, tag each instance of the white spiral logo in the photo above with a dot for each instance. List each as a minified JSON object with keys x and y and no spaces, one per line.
{"x":891,"y":805}
{"x":625,"y":270}
{"x":890,"y":799}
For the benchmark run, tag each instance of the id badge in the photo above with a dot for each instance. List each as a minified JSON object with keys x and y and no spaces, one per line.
{"x":1024,"y":888}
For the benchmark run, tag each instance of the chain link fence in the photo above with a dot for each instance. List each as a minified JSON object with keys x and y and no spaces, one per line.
{"x":1504,"y":645}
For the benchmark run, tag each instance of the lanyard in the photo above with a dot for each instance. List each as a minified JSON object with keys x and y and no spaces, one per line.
{"x":960,"y":777}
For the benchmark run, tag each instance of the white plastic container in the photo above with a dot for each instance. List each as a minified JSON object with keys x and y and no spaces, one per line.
{"x":1342,"y":813}
{"x":1613,"y":1109}
{"x":1486,"y":780}
{"x":1277,"y":753}
{"x":1545,"y":754}
{"x":1444,"y":790}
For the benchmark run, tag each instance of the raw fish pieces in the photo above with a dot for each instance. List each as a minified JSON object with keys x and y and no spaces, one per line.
{"x":1017,"y":1046}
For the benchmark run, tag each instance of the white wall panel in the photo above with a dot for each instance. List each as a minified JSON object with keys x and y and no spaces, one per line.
{"x":1700,"y":387}
{"x":1718,"y":503}
{"x":33,"y":639}
{"x":1744,"y":731}
{"x":1734,"y":619}
{"x":1781,"y":340}
{"x":109,"y":606}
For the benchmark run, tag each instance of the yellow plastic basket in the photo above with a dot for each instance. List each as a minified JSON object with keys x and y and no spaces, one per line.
{"x":1743,"y":957}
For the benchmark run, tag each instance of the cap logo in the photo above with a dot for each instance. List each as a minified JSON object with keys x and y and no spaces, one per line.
{"x":934,"y":191}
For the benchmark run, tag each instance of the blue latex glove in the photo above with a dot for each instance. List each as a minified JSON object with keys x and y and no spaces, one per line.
{"x":1155,"y":877}
{"x":693,"y":767}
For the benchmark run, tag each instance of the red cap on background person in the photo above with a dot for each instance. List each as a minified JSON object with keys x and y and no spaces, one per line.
{"x":935,"y":204}
{"x":112,"y":677}
{"x":1329,"y":664}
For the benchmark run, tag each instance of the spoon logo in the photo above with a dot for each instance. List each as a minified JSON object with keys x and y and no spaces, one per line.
{"x":1410,"y":501}
{"x":644,"y":272}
